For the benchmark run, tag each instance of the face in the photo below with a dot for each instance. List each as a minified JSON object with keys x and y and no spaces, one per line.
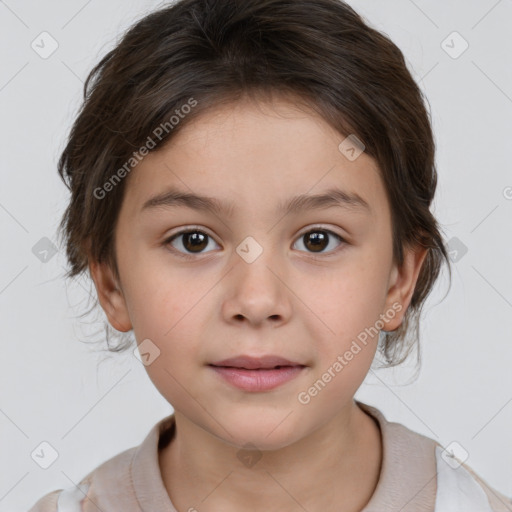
{"x":312,"y":284}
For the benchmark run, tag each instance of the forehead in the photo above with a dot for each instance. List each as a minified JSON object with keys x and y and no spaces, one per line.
{"x":253,"y":156}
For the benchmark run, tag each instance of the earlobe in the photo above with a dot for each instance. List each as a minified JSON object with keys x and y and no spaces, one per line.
{"x":403,"y":283}
{"x":110,"y":296}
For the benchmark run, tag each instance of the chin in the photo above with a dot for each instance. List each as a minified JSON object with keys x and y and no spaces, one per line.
{"x":261,"y":441}
{"x":266,"y":431}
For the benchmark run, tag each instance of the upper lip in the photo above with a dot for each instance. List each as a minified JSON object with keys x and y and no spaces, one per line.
{"x":252,"y":363}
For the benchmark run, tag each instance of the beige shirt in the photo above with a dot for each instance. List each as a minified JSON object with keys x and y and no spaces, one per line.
{"x":131,"y":481}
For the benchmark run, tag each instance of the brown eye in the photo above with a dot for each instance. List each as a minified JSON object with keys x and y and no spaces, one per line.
{"x":195,"y":241}
{"x":317,"y":240}
{"x":189,"y":242}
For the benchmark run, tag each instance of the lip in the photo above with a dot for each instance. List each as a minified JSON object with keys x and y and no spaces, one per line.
{"x":256,"y":363}
{"x":256,"y":374}
{"x":257,"y":380}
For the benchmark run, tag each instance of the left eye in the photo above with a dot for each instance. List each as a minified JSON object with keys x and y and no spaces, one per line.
{"x":316,"y":240}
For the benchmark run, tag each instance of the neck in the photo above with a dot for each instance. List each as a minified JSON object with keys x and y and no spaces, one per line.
{"x":335,"y":467}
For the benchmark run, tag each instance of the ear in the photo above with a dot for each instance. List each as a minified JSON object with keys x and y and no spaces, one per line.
{"x":402,"y":284}
{"x":110,"y":296}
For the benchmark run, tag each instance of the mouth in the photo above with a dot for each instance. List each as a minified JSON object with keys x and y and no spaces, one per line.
{"x":257,"y":374}
{"x":267,"y":362}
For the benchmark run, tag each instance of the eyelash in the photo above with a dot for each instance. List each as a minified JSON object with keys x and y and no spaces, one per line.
{"x":189,"y":256}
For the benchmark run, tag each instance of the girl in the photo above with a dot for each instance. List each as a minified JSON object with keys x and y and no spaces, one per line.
{"x":250,"y":191}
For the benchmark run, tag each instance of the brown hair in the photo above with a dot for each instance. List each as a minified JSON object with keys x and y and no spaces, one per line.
{"x":208,"y":52}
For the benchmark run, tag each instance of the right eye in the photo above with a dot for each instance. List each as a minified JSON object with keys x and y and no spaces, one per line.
{"x":188,"y":242}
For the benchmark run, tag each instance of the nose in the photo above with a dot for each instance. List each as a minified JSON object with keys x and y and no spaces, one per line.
{"x":257,"y":293}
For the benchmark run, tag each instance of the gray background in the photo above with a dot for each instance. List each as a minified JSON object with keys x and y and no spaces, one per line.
{"x":52,"y":386}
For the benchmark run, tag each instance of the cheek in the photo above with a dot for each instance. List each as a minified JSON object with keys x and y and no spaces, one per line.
{"x":347,"y":300}
{"x":170,"y":310}
{"x":175,"y":333}
{"x":342,"y":316}
{"x":172,"y":322}
{"x":159,"y":301}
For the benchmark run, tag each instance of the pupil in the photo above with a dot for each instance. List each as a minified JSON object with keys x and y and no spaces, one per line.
{"x":317,"y":239}
{"x":196,"y":240}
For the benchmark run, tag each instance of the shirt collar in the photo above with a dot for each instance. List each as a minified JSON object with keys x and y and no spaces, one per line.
{"x":147,"y":480}
{"x":407,"y":480}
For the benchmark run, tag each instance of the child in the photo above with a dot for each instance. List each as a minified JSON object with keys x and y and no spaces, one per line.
{"x":216,"y":141}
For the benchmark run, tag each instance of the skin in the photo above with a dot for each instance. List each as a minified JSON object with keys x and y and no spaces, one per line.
{"x":291,"y":301}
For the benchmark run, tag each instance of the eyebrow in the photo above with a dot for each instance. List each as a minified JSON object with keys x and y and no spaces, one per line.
{"x":333,"y":197}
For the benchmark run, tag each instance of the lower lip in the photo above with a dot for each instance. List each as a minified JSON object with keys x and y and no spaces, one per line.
{"x":258,"y":380}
